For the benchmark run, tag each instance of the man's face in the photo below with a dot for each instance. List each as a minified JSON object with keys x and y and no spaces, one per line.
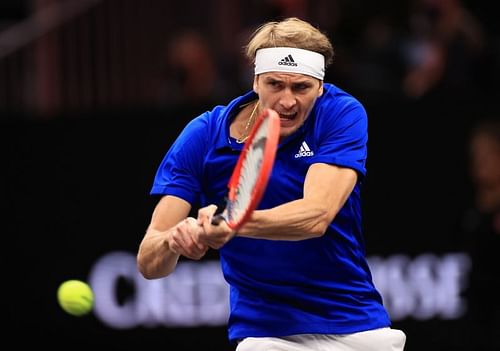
{"x":292,"y":95}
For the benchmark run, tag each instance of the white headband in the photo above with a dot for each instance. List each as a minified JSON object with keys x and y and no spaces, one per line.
{"x":291,"y":60}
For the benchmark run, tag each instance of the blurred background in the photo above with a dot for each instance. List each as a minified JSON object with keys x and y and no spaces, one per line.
{"x":93,"y":92}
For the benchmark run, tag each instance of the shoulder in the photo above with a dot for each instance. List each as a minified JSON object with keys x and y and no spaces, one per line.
{"x":335,"y":98}
{"x":210,"y":126}
{"x":338,"y":109}
{"x":206,"y":123}
{"x":219,"y":113}
{"x":195,"y":130}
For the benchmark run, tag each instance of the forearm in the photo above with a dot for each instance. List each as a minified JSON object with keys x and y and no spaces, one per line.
{"x":296,"y":220}
{"x":326,"y":190}
{"x":155,"y":259}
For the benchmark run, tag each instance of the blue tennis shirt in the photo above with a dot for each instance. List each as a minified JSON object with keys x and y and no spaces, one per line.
{"x":320,"y":285}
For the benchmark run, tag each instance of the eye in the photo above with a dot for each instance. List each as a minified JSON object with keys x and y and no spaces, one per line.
{"x":274,"y":84}
{"x":301,"y":86}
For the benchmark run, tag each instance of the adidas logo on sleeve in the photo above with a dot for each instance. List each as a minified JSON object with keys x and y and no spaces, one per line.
{"x":304,"y":151}
{"x":288,"y":61}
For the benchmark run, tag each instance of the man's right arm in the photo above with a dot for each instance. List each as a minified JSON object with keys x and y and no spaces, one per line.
{"x":169,"y":235}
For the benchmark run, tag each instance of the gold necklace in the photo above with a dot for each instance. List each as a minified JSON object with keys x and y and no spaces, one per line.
{"x":250,"y":119}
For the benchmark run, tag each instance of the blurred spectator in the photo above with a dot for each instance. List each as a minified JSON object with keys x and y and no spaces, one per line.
{"x":377,"y":64}
{"x":445,"y":48}
{"x":190,"y":73}
{"x":481,"y":230}
{"x":290,"y":8}
{"x":485,"y":169}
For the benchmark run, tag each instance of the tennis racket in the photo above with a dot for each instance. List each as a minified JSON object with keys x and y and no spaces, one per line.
{"x":251,"y":173}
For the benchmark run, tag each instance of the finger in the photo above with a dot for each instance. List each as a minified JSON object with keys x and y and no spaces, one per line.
{"x":182,"y":239}
{"x":192,"y":237}
{"x":192,"y":251}
{"x":199,"y":244}
{"x":178,"y":244}
{"x":215,"y":240}
{"x":174,"y":247}
{"x":206,"y":213}
{"x":197,"y":234}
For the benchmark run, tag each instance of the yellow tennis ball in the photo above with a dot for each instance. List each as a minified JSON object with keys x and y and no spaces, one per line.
{"x":75,"y":297}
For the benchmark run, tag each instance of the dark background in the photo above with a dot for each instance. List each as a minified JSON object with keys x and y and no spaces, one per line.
{"x":89,"y":106}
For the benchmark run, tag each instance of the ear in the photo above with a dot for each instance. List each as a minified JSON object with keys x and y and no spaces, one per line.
{"x":256,"y":84}
{"x":320,"y":91}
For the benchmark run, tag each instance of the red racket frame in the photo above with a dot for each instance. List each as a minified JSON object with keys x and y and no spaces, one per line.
{"x":273,"y":134}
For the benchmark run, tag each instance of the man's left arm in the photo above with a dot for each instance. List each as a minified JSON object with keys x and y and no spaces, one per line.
{"x":326,"y":189}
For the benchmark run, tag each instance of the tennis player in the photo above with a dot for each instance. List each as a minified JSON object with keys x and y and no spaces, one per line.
{"x":297,"y":271}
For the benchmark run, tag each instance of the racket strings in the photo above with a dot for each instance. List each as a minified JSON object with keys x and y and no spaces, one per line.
{"x":248,"y":179}
{"x":250,"y":171}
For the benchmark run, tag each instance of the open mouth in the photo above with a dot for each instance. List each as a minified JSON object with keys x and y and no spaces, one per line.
{"x":289,"y":116}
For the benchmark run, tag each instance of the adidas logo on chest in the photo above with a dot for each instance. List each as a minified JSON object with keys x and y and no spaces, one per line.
{"x":304,"y":151}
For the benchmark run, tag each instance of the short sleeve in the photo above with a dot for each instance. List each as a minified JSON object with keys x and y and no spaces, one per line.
{"x":343,"y":136}
{"x":180,"y":172}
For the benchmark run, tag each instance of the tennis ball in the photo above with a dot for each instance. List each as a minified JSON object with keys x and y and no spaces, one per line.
{"x":75,"y":297}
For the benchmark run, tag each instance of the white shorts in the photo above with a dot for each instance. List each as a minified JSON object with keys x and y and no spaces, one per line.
{"x":384,"y":339}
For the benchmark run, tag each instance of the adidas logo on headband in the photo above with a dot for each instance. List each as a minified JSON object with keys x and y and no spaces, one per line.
{"x":288,"y":61}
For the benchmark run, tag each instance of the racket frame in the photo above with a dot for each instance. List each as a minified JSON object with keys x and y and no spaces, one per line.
{"x":268,"y":157}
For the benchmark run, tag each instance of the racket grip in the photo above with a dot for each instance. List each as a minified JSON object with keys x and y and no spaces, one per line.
{"x":218,"y":214}
{"x":217,"y":219}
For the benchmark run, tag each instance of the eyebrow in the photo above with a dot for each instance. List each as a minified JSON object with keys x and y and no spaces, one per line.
{"x":272,"y":79}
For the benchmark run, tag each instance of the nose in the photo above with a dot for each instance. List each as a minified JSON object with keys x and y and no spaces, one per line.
{"x":287,"y":99}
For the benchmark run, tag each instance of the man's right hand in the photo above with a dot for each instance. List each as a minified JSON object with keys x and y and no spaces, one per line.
{"x":183,"y":239}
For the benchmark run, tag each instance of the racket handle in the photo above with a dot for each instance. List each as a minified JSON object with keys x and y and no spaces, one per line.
{"x":218,"y":218}
{"x":218,"y":214}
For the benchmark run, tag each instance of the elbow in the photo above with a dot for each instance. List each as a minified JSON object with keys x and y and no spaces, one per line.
{"x":150,"y":276}
{"x":149,"y":270}
{"x":318,"y":230}
{"x":142,"y":265}
{"x":144,"y":272}
{"x":321,"y":224}
{"x":150,"y":273}
{"x":143,"y":269}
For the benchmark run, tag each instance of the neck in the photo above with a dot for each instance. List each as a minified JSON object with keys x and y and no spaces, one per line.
{"x":250,"y":121}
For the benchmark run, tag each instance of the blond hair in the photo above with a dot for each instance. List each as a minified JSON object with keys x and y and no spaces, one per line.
{"x":290,"y":32}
